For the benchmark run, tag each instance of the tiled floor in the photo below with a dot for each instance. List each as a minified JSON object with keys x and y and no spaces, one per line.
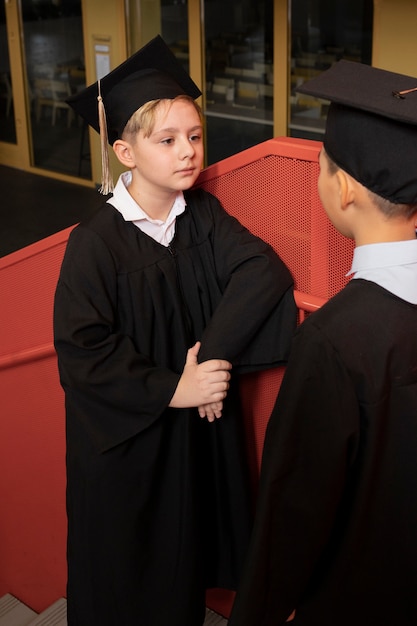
{"x":15,"y":613}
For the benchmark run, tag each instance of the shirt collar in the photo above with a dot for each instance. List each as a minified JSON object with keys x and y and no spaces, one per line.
{"x":130,"y":209}
{"x":387,"y":254}
{"x":391,"y":265}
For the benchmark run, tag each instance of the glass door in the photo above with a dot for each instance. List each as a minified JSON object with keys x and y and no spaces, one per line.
{"x":7,"y":119}
{"x":322,"y":32}
{"x":54,"y":56}
{"x":174,"y":29}
{"x":239,"y":75}
{"x":168,"y":18}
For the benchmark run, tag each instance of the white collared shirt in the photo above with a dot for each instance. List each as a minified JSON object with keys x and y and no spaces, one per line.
{"x":392,"y":265}
{"x":163,"y":232}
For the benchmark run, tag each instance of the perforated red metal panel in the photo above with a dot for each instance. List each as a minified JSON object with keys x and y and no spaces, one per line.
{"x":32,"y":484}
{"x":271,"y":188}
{"x":258,"y":393}
{"x":273,"y":191}
{"x":28,"y":280}
{"x":32,"y":440}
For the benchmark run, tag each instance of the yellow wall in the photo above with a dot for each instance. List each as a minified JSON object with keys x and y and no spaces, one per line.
{"x":394,"y":36}
{"x":281,"y":66}
{"x":103,"y":23}
{"x":143,"y":22}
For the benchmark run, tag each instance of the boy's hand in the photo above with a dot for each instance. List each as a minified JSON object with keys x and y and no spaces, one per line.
{"x":202,"y":384}
{"x":211,"y":411}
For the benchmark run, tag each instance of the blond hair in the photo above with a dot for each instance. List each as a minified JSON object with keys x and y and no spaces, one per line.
{"x":144,"y":118}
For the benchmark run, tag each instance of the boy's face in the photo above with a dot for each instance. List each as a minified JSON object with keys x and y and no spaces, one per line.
{"x":171,"y":158}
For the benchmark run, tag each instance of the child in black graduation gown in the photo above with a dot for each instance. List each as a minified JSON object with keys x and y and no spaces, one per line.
{"x":161,"y":294}
{"x":335,"y":538}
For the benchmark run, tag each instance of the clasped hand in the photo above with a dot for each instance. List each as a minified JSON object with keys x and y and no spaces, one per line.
{"x":203,"y":385}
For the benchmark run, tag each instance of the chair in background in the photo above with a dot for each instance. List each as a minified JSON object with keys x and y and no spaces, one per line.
{"x":76,"y":79}
{"x":264,"y":68}
{"x":266,"y":91}
{"x":247,"y":94}
{"x":228,"y":82}
{"x":219,"y":91}
{"x":232,"y":71}
{"x":52,"y":93}
{"x":253,"y":74}
{"x":43,"y":70}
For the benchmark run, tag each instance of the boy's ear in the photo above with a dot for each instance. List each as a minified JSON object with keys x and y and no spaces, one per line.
{"x":123,"y":152}
{"x":346,"y":188}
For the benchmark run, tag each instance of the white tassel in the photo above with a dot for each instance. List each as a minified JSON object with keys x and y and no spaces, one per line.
{"x":107,"y":184}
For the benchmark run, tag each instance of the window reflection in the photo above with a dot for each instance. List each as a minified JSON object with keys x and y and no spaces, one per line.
{"x":174,"y":28}
{"x":7,"y":123}
{"x":323,"y":32}
{"x":55,"y":69}
{"x":239,"y":75}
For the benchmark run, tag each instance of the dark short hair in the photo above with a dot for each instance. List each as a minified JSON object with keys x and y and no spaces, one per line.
{"x":388,"y":208}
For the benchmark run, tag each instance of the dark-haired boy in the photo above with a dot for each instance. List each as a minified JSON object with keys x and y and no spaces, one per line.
{"x":335,"y":539}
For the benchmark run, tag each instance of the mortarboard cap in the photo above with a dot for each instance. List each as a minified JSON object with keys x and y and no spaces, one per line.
{"x":152,"y":73}
{"x":371,"y":127}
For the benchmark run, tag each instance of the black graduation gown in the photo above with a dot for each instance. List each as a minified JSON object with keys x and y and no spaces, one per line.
{"x":156,"y":497}
{"x":335,"y":535}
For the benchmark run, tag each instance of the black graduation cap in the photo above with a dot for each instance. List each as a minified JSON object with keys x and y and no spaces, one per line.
{"x":371,"y":128}
{"x":152,"y":73}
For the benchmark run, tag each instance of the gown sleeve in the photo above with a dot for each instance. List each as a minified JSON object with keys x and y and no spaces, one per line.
{"x":310,"y":444}
{"x":100,"y":370}
{"x":253,"y":324}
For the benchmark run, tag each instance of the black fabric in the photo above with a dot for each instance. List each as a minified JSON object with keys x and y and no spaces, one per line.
{"x":134,"y":91}
{"x":336,"y":530}
{"x":366,"y":88}
{"x":371,"y":131}
{"x":158,"y":505}
{"x":151,"y":73}
{"x":371,"y":148}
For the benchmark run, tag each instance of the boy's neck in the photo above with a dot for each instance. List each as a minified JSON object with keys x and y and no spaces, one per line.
{"x":384,"y":230}
{"x":157,"y":207}
{"x":385,"y":236}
